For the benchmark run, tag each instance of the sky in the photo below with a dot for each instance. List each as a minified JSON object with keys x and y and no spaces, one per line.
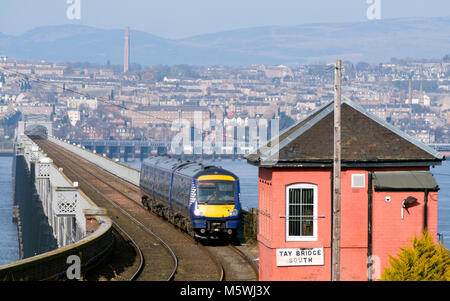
{"x":176,"y":19}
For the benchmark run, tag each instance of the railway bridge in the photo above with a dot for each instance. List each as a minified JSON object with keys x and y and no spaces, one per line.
{"x":71,"y":202}
{"x":55,"y":219}
{"x":129,"y":150}
{"x":441,"y":147}
{"x":35,"y":125}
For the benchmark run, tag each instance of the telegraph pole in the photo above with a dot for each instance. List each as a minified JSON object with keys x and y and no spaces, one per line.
{"x":336,"y":244}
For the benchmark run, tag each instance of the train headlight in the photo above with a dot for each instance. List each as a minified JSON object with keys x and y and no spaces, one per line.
{"x":234,"y":212}
{"x":198,"y":212}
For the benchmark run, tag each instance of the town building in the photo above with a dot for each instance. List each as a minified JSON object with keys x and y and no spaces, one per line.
{"x":74,"y":116}
{"x":166,"y":115}
{"x":77,"y":102}
{"x":388,"y":195}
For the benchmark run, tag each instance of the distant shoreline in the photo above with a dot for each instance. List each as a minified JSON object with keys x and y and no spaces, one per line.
{"x":369,"y":41}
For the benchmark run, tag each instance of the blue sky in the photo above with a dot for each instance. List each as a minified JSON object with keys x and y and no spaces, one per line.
{"x":183,"y":18}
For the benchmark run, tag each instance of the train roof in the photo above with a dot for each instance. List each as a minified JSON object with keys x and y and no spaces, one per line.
{"x":163,"y":162}
{"x":186,"y":168}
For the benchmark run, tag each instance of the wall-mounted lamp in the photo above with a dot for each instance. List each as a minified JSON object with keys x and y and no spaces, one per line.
{"x":407,"y":203}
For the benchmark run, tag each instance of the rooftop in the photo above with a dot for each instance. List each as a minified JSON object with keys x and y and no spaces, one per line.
{"x":366,"y":140}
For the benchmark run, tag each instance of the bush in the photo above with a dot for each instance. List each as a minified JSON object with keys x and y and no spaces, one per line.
{"x":423,"y":262}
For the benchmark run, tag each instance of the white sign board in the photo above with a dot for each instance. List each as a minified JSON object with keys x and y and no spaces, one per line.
{"x":297,"y":256}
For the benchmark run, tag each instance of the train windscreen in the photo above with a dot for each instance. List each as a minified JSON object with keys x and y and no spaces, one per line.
{"x":216,"y":192}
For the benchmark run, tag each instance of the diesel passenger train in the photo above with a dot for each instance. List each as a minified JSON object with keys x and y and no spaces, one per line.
{"x":203,"y":200}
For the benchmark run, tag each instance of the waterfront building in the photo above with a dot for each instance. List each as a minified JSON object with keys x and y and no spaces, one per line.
{"x":388,"y":195}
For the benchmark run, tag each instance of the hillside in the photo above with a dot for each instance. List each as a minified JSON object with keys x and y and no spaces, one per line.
{"x":370,"y":41}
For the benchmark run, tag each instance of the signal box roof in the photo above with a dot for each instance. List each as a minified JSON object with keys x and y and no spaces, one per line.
{"x":366,"y":140}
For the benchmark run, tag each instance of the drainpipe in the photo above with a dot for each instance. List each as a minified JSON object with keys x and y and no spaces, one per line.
{"x":425,"y":212}
{"x":331,"y":214}
{"x":369,"y":227}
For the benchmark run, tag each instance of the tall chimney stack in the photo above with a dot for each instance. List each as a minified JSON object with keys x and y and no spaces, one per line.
{"x":410,"y":91}
{"x":126,"y":58}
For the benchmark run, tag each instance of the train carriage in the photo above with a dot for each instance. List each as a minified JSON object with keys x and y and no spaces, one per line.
{"x":201,"y":199}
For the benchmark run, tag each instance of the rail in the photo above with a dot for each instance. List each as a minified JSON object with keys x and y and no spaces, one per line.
{"x":125,"y":212}
{"x":220,"y":266}
{"x":138,"y":251}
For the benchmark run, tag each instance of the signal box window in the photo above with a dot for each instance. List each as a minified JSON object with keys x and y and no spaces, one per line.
{"x":301,"y":212}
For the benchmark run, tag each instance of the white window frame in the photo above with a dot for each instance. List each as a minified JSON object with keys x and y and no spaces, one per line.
{"x":315,"y":209}
{"x":361,"y":175}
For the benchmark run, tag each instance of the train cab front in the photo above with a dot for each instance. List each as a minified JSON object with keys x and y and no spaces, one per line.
{"x":217,"y":209}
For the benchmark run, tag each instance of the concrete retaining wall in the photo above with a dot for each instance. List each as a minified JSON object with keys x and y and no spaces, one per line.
{"x":118,"y":169}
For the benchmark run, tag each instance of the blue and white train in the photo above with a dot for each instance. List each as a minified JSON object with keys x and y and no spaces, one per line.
{"x":203,"y":200}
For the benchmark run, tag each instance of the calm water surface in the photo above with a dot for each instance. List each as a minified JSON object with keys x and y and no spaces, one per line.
{"x":442,"y":176}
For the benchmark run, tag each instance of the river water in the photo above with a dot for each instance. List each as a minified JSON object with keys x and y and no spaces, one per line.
{"x":248,"y":175}
{"x":442,"y":176}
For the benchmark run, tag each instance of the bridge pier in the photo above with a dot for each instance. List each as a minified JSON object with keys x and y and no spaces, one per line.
{"x":145,"y":152}
{"x":161,"y":150}
{"x":126,"y":149}
{"x":35,"y":232}
{"x":113,"y":152}
{"x":100,"y":149}
{"x":50,"y":207}
{"x":52,"y":214}
{"x":129,"y":153}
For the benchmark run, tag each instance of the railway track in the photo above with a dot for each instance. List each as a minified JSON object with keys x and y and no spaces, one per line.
{"x":236,"y":266}
{"x":122,"y":200}
{"x":137,"y":250}
{"x":155,"y":260}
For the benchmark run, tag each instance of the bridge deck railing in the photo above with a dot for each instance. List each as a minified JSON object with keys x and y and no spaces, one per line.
{"x":61,"y":200}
